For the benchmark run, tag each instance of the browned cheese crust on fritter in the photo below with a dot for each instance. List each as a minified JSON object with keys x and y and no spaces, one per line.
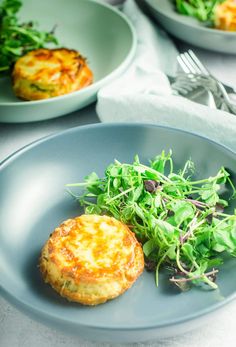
{"x":45,"y":73}
{"x":91,"y":259}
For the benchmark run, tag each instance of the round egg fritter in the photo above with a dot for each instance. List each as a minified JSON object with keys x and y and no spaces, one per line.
{"x":91,"y":259}
{"x":225,"y":15}
{"x":45,"y":73}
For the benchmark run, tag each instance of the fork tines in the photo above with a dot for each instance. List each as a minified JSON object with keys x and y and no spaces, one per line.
{"x":190,"y":63}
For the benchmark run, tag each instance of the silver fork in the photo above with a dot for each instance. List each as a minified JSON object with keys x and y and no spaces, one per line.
{"x":190,"y":64}
{"x":192,"y":90}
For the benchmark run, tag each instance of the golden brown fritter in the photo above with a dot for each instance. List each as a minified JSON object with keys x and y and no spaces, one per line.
{"x":46,"y":73}
{"x":225,"y":15}
{"x":91,"y":259}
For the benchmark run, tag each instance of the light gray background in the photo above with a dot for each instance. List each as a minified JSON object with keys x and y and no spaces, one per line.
{"x":17,"y":329}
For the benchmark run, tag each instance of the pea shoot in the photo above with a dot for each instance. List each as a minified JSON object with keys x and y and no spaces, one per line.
{"x":179,"y":220}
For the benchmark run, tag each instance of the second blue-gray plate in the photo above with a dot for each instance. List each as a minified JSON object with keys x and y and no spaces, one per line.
{"x":190,"y":29}
{"x":100,"y":32}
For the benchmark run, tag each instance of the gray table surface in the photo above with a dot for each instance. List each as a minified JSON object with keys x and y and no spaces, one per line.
{"x":17,"y":329}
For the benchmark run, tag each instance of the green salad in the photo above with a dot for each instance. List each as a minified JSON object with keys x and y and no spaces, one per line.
{"x":203,"y":10}
{"x":179,"y":220}
{"x":16,"y":38}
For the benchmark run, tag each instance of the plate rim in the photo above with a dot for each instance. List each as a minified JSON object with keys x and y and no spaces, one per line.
{"x":27,"y":307}
{"x":108,"y":124}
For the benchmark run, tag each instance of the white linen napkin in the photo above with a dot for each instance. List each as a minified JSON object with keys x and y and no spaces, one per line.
{"x":143,"y":93}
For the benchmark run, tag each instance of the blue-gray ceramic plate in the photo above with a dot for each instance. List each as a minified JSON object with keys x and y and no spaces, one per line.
{"x":97,"y":30}
{"x":34,"y":201}
{"x":190,"y":29}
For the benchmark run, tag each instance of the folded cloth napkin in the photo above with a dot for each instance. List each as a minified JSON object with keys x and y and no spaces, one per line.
{"x":143,"y":93}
